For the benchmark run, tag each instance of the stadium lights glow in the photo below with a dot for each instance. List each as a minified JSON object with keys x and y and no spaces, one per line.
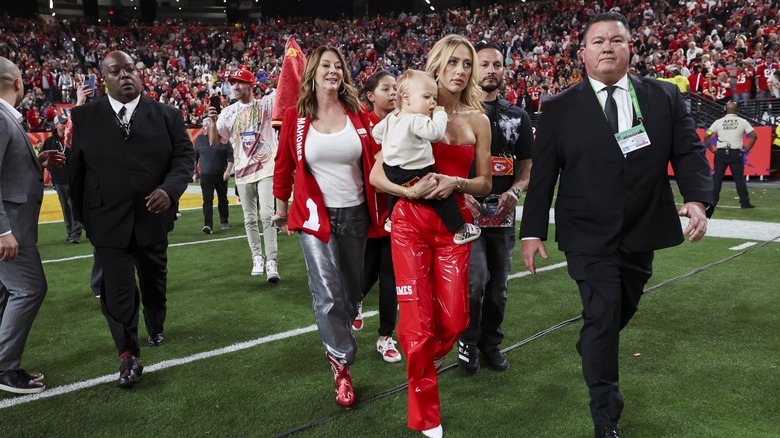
{"x":51,"y":5}
{"x":428,"y":1}
{"x":53,"y":14}
{"x":432,"y":8}
{"x":73,"y":39}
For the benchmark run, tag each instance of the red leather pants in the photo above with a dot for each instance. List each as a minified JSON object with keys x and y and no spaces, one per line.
{"x":431,"y":277}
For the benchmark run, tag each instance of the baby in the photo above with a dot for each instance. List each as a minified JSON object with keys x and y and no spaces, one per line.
{"x":406,"y":135}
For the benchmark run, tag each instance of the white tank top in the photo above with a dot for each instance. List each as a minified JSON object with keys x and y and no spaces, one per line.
{"x":335,"y":161}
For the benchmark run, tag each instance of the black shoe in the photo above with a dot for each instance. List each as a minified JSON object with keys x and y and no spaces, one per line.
{"x":748,"y":205}
{"x":19,"y":382}
{"x":155,"y":340}
{"x":206,"y":229}
{"x":130,"y":371}
{"x":607,"y":431}
{"x":467,"y":357}
{"x":495,"y":360}
{"x":32,"y":376}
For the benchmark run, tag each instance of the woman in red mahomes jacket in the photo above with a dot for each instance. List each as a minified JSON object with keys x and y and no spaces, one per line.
{"x":325,"y":145}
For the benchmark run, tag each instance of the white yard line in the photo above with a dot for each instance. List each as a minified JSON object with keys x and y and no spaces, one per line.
{"x":729,"y":228}
{"x":716,"y":228}
{"x":65,"y":389}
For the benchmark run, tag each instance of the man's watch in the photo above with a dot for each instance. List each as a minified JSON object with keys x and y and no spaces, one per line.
{"x":517,"y":191}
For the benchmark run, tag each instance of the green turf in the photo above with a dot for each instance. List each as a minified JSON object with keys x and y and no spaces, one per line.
{"x":707,"y":364}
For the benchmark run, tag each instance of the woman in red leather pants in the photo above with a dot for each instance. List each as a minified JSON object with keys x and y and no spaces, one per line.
{"x":431,"y":271}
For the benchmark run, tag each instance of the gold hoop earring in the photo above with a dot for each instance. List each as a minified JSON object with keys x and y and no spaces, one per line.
{"x":342,"y":89}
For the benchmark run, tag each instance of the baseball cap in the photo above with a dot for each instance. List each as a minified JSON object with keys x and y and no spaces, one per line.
{"x":62,"y":119}
{"x":241,"y":75}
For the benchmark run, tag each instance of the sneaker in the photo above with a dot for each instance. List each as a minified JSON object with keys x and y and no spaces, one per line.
{"x":272,"y":271}
{"x":748,"y":205}
{"x":206,"y":229}
{"x":468,"y":233}
{"x":467,"y":357}
{"x":388,"y":226}
{"x":436,"y":432}
{"x":345,"y":396}
{"x":225,"y":226}
{"x":37,"y":377}
{"x":495,"y":360}
{"x":258,"y":265}
{"x":357,"y":324}
{"x":130,"y":371}
{"x":19,"y":382}
{"x":438,"y":362}
{"x":385,"y":345}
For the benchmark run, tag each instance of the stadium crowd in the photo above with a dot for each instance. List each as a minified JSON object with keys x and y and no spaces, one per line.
{"x":725,"y":49}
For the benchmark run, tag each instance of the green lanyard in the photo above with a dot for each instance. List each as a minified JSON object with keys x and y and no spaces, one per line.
{"x":634,"y":100}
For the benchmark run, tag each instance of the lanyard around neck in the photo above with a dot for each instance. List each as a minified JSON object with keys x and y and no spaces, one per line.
{"x":634,"y":100}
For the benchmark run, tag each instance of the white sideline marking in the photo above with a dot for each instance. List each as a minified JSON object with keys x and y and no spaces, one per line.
{"x":546,"y":268}
{"x":65,"y":389}
{"x":745,"y":245}
{"x":194,"y":242}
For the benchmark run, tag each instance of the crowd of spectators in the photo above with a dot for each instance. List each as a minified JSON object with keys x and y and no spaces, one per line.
{"x":727,"y":49}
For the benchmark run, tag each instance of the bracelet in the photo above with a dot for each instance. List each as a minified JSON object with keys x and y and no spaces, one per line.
{"x":276,"y":213}
{"x":406,"y":195}
{"x":461,"y":184}
{"x":415,"y":193}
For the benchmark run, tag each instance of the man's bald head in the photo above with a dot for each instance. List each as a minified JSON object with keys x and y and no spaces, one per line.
{"x":732,"y":107}
{"x":122,"y":78}
{"x":11,"y":88}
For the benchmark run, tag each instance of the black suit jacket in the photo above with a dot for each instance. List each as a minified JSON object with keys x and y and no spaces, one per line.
{"x":111,"y":176}
{"x":607,"y":201}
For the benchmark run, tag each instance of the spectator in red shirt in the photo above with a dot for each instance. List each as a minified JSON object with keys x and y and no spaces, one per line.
{"x":763,"y":73}
{"x":34,"y":119}
{"x":744,"y":77}
{"x":697,"y":81}
{"x":721,"y":88}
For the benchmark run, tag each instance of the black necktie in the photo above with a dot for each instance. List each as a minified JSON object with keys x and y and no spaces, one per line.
{"x":610,"y":109}
{"x":124,"y":127}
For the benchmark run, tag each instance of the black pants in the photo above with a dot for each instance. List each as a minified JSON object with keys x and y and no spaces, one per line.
{"x":610,"y":288}
{"x":120,"y":296}
{"x":489,"y":265}
{"x":733,"y":159}
{"x":379,"y":266}
{"x":208,"y":184}
{"x":447,"y":209}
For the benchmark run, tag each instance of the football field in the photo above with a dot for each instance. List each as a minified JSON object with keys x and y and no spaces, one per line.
{"x":243,"y":358}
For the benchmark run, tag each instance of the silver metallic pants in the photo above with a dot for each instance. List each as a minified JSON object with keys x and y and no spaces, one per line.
{"x":334,"y":278}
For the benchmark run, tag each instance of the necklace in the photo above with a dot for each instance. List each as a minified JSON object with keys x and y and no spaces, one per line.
{"x":451,"y":115}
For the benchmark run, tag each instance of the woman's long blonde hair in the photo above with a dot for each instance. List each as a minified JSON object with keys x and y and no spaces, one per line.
{"x":437,"y":61}
{"x":307,"y":98}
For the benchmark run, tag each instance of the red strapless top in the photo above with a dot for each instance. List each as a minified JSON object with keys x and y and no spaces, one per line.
{"x":454,"y":160}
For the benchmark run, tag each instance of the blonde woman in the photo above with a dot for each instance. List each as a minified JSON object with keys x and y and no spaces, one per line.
{"x":431,"y":271}
{"x":325,"y":144}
